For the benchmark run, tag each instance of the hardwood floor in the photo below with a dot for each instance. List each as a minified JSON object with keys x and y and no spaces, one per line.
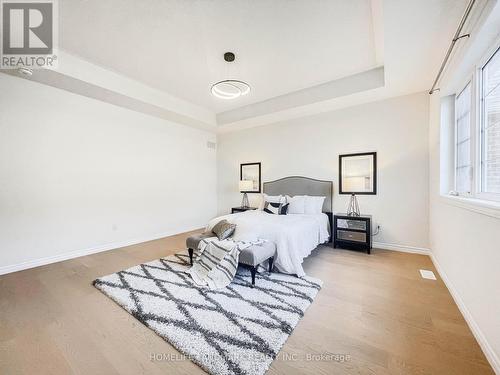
{"x":375,"y":313}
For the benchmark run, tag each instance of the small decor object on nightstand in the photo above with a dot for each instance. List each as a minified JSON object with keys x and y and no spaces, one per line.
{"x":352,"y":232}
{"x":245,"y":185}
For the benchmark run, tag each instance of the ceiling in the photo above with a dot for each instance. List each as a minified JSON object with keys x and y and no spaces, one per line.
{"x":178,"y":46}
{"x":299,"y":56}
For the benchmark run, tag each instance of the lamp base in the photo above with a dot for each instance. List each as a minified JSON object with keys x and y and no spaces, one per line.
{"x":353,"y":208}
{"x":244,"y":202}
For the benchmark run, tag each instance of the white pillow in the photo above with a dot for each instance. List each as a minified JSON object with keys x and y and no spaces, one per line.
{"x":271,"y":199}
{"x":313,"y":205}
{"x":296,"y":204}
{"x":261,"y":203}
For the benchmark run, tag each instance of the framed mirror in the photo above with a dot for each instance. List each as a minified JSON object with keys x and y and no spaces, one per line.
{"x":251,"y":172}
{"x":358,"y":173}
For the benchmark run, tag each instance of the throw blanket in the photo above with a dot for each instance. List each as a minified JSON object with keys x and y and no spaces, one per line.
{"x":217,"y":262}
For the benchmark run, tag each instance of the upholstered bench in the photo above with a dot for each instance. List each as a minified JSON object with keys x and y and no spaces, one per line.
{"x":251,"y":256}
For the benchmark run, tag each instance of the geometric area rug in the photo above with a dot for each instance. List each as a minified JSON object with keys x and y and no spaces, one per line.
{"x":235,"y":330}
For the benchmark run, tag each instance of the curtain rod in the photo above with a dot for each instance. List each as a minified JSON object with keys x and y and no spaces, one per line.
{"x":456,"y":37}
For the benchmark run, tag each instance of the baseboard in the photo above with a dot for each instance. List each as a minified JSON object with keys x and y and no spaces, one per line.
{"x":491,"y":356}
{"x":402,"y":248}
{"x":87,"y":251}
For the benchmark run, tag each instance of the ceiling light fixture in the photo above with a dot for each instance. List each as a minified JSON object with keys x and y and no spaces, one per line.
{"x":230,"y":88}
{"x":26,"y":72}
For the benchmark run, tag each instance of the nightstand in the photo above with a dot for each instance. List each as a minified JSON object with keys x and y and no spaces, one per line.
{"x":241,"y":209}
{"x":352,"y":232}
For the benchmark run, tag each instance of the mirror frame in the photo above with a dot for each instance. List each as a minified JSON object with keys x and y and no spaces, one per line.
{"x":374,"y":191}
{"x":260,"y":176}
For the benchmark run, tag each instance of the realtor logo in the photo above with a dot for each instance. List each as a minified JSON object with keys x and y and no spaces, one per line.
{"x":28,"y":34}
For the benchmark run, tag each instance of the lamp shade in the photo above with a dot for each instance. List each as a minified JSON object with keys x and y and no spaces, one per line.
{"x":245,"y":185}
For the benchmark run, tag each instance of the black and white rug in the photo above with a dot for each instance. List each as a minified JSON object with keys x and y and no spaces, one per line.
{"x":236,"y":330}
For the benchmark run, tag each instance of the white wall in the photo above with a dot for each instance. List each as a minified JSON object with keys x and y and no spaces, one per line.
{"x":81,"y":175}
{"x":465,"y":244}
{"x":466,"y":250}
{"x":396,"y":128}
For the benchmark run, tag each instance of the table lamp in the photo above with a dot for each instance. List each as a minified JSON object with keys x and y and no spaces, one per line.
{"x":245,"y":186}
{"x":354,"y":183}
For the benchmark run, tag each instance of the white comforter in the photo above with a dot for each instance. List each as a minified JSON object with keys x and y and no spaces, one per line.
{"x":295,"y":235}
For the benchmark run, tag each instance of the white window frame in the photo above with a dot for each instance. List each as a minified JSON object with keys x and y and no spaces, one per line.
{"x":468,"y":81}
{"x":479,"y":103}
{"x":476,"y":132}
{"x":483,"y":203}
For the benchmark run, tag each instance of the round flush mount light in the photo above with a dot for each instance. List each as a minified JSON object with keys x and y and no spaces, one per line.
{"x":26,"y":72}
{"x":230,"y":89}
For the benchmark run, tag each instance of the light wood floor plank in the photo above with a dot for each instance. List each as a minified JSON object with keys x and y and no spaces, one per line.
{"x":375,"y":313}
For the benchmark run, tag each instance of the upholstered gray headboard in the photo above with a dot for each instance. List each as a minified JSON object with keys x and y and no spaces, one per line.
{"x":297,"y":185}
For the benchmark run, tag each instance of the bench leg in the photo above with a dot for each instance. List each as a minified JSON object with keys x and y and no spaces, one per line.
{"x":254,"y":271}
{"x":191,"y":251}
{"x":271,"y":260}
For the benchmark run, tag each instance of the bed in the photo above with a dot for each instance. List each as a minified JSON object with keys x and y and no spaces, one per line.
{"x":295,"y":235}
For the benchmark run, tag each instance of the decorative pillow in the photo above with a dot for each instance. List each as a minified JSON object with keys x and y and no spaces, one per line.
{"x":275,"y":208}
{"x":296,"y":204}
{"x":271,"y":198}
{"x":313,"y":205}
{"x":223,"y":229}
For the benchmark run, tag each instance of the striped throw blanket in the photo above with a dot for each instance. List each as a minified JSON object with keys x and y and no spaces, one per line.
{"x":217,"y":262}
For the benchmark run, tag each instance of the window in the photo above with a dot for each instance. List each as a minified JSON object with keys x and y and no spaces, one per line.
{"x":471,"y":127}
{"x":463,"y":162}
{"x":490,"y":127}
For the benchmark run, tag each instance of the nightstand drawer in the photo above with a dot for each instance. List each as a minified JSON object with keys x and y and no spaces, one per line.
{"x":351,"y":236}
{"x":351,"y":224}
